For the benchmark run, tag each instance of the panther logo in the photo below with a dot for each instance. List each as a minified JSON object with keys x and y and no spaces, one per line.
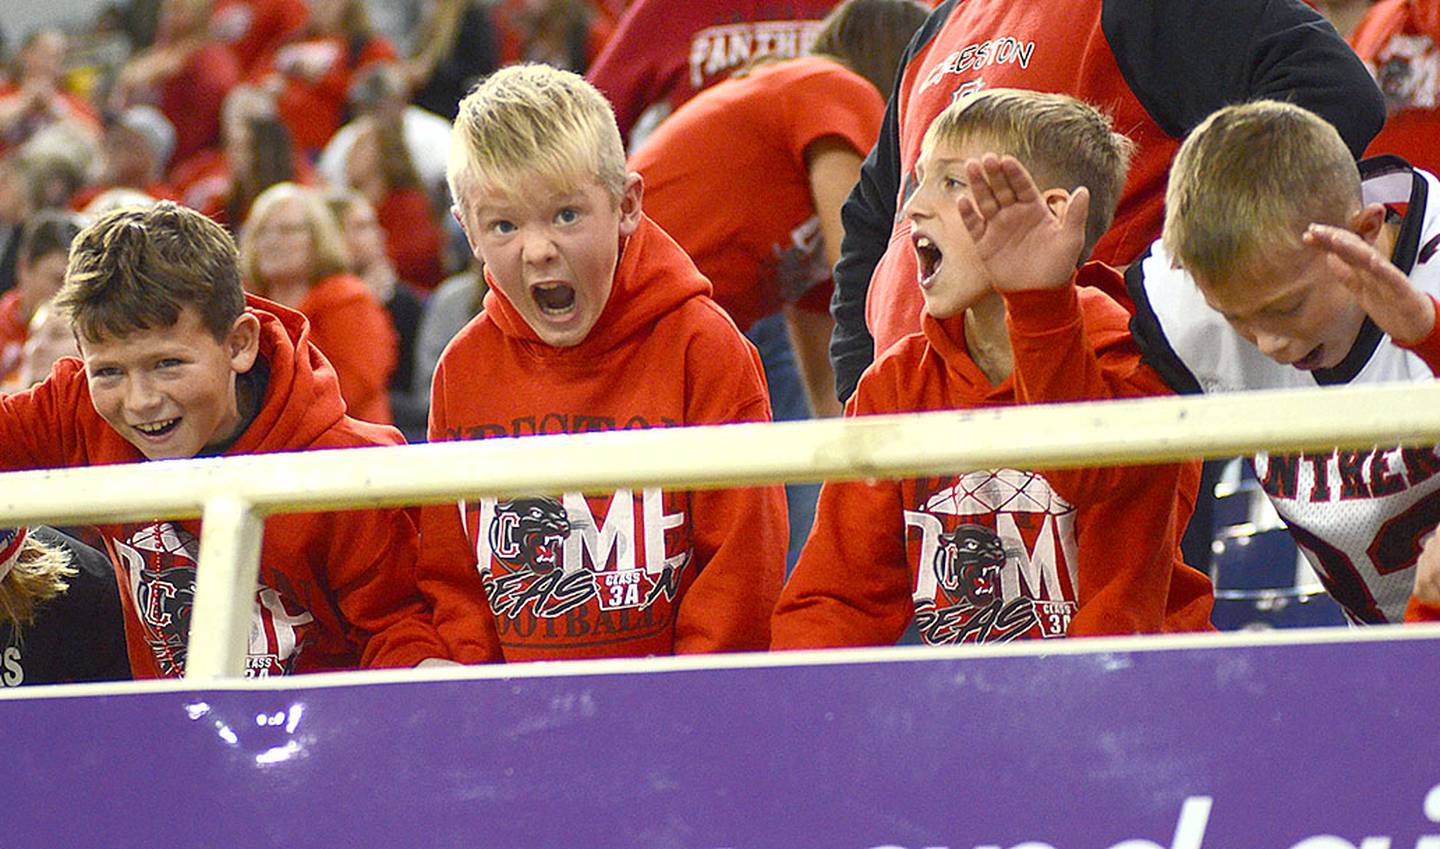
{"x":968,"y":563}
{"x":529,"y":533}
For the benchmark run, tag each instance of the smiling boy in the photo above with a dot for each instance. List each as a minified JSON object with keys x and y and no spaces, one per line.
{"x":596,"y":320}
{"x":1284,"y":265}
{"x":1003,"y":554}
{"x":178,"y":363}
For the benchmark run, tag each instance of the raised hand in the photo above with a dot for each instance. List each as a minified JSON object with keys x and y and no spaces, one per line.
{"x":1023,"y":241}
{"x":1405,"y":313}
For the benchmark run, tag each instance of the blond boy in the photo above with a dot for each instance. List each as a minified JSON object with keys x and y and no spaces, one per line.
{"x":596,"y":320}
{"x":1004,"y":554}
{"x":1283,"y":265}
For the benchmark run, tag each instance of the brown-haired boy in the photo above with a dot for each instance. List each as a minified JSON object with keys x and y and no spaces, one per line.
{"x":1003,"y":554}
{"x":596,"y":320}
{"x":177,"y":363}
{"x":1285,"y":265}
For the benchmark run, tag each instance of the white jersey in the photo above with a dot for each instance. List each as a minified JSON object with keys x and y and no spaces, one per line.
{"x":1359,"y":516}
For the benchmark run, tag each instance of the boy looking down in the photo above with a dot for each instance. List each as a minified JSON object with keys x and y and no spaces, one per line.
{"x":1002,"y":554}
{"x":1282,"y":265}
{"x":596,"y":320}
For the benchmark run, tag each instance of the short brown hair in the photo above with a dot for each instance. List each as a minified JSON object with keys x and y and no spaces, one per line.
{"x":138,"y":268}
{"x":1064,"y":142}
{"x":536,"y":121}
{"x":868,"y":37}
{"x":1250,"y":179}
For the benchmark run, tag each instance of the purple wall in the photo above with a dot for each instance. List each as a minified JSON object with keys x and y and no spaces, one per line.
{"x":1066,"y":751}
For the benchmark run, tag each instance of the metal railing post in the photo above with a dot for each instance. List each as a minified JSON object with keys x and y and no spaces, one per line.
{"x":225,"y":584}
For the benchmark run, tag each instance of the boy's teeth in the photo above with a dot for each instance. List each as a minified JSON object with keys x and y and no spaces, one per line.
{"x":157,"y":427}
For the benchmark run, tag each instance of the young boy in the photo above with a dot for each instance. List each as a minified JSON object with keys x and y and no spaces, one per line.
{"x":1003,"y":554}
{"x":595,"y":320}
{"x":1282,"y":264}
{"x":178,"y":362}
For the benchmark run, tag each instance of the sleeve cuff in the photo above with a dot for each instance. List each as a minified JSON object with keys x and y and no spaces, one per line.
{"x":1040,"y":311}
{"x":1428,"y":349}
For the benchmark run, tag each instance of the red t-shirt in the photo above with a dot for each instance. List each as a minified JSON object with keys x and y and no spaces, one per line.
{"x":14,"y":330}
{"x":995,"y":555}
{"x":726,"y":177}
{"x":193,"y":98}
{"x":413,"y":238}
{"x":665,"y":51}
{"x":254,"y":29}
{"x":313,"y":109}
{"x":628,"y":573}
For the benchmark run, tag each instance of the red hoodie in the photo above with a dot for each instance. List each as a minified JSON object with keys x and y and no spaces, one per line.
{"x":1000,"y":554}
{"x":622,"y":574}
{"x":336,"y":589}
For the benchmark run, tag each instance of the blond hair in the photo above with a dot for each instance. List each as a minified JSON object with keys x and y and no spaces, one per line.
{"x":138,"y":268}
{"x":1064,"y":142}
{"x":38,"y":576}
{"x":535,"y":121}
{"x":1249,"y":180}
{"x":328,"y":253}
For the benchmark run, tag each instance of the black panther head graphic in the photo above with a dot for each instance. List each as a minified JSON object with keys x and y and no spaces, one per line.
{"x":529,"y":533}
{"x":968,"y":563}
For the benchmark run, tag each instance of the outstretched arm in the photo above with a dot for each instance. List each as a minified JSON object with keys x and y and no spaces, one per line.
{"x":1026,"y":239}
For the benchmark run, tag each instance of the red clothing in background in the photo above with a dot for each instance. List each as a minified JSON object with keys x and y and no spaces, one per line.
{"x":254,"y":29}
{"x":193,"y":98}
{"x":336,"y":589}
{"x":726,"y":176}
{"x":206,"y":181}
{"x":664,"y":51}
{"x":1397,"y":41}
{"x":1157,"y":67}
{"x":629,"y":573}
{"x":354,"y":332}
{"x":14,"y":330}
{"x":313,"y":109}
{"x":413,"y":237}
{"x":996,"y":555}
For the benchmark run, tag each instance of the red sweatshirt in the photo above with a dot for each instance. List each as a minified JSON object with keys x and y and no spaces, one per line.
{"x":1002,"y":554}
{"x":336,"y":589}
{"x":353,"y":330}
{"x":634,"y":572}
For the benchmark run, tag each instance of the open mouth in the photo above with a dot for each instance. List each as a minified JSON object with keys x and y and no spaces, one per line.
{"x":929,"y":256}
{"x":155,"y":430}
{"x":553,"y":298}
{"x":1312,"y":360}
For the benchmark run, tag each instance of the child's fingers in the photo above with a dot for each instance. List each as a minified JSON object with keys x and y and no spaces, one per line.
{"x":972,"y":219}
{"x":981,"y":189}
{"x":1018,"y":181}
{"x":1076,"y":212}
{"x":1353,"y":250}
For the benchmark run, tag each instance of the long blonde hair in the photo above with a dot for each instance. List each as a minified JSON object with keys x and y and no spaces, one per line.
{"x":37,"y":574}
